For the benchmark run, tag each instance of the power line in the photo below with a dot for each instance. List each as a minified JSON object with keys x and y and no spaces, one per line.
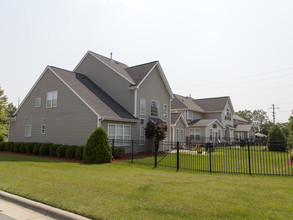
{"x":274,"y":113}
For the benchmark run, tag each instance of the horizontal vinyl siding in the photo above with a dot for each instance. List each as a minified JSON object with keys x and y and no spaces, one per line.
{"x":71,"y":122}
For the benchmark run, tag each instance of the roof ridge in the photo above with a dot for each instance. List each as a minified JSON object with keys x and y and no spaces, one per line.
{"x":213,"y":98}
{"x":117,"y":62}
{"x":141,"y":64}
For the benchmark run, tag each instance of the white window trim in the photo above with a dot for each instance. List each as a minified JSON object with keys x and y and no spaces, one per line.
{"x":194,"y":133}
{"x":158,"y":108}
{"x":141,"y":112}
{"x":52,"y":100}
{"x":124,"y":144}
{"x":165,"y":107}
{"x":37,"y":102}
{"x":43,"y":131}
{"x":25,"y":131}
{"x":182,"y":135}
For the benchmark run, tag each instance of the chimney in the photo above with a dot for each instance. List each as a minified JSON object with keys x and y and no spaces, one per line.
{"x":111,"y":56}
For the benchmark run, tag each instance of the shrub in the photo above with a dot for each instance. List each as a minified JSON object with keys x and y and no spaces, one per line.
{"x":97,"y":149}
{"x":290,"y":140}
{"x":1,"y":138}
{"x":276,"y":139}
{"x":15,"y":147}
{"x":61,"y":151}
{"x":70,"y":152}
{"x":36,"y":149}
{"x":2,"y":146}
{"x":118,"y":151}
{"x":22,"y":147}
{"x":52,"y":150}
{"x":44,"y":149}
{"x":9,"y":146}
{"x":79,"y":152}
{"x":29,"y":147}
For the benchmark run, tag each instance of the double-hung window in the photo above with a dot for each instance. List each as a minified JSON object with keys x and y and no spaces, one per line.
{"x":121,"y":134}
{"x":165,"y":111}
{"x":38,"y":102}
{"x":142,"y":107}
{"x":155,"y":106}
{"x":52,"y":99}
{"x":142,"y":131}
{"x":28,"y":131}
{"x":189,"y":115}
{"x":194,"y":134}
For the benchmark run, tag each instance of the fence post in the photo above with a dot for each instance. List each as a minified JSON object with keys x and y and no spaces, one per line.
{"x":156,"y":153}
{"x":131,"y":151}
{"x":177,"y":155}
{"x":249,"y":165}
{"x":113,"y":142}
{"x":210,"y":160}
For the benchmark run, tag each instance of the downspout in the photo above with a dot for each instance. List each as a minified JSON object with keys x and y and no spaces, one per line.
{"x":135,"y":102}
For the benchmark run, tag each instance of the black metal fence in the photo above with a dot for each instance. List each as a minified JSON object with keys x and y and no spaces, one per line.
{"x":236,"y":157}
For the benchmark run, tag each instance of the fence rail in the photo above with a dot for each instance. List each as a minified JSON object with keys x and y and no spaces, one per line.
{"x":237,"y":157}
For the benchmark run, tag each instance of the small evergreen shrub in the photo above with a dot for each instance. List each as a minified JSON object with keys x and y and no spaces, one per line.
{"x":9,"y":146}
{"x":61,"y":151}
{"x":44,"y":149}
{"x":29,"y":147}
{"x":118,"y":151}
{"x":79,"y":152}
{"x":70,"y":152}
{"x":52,"y":150}
{"x":15,"y":147}
{"x":276,"y":139}
{"x":36,"y":149}
{"x":2,"y":146}
{"x":97,"y":148}
{"x":22,"y":147}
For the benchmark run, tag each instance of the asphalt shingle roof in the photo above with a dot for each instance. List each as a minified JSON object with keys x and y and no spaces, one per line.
{"x":137,"y":73}
{"x":201,"y":122}
{"x":174,"y":117}
{"x":212,"y":104}
{"x":93,"y":95}
{"x":180,"y":102}
{"x":243,"y":128}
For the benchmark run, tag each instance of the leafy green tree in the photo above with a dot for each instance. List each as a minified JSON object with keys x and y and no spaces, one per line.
{"x":284,"y":127}
{"x":266,"y":127}
{"x":290,"y":140}
{"x":246,"y":114}
{"x":290,"y":124}
{"x":97,"y":149}
{"x":259,"y":118}
{"x":276,"y":139}
{"x":156,"y":132}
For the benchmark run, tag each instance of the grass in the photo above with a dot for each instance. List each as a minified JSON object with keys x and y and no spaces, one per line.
{"x":229,"y":160}
{"x":132,"y":191}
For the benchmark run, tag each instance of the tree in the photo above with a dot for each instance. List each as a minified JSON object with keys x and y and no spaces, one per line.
{"x":246,"y":114}
{"x":155,"y":131}
{"x":265,"y":128}
{"x":97,"y":148}
{"x":259,"y":118}
{"x":290,"y":124}
{"x":276,"y":139}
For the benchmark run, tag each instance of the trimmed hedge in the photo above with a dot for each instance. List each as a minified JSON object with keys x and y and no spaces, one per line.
{"x":29,"y":147}
{"x":277,"y":139}
{"x":61,"y":150}
{"x":97,"y":149}
{"x":70,"y":152}
{"x":44,"y":149}
{"x":79,"y":152}
{"x":2,"y":146}
{"x":118,"y":151}
{"x":52,"y":150}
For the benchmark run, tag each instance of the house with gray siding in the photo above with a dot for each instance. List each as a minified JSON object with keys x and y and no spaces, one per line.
{"x":64,"y":107}
{"x":209,"y":120}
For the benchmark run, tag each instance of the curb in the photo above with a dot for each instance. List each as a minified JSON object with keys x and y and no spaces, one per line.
{"x":41,"y":208}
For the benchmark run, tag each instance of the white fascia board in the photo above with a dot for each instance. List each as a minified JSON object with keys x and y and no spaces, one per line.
{"x":110,"y":67}
{"x":81,"y":61}
{"x":163,"y":76}
{"x":74,"y":92}
{"x":216,"y":120}
{"x":32,"y":89}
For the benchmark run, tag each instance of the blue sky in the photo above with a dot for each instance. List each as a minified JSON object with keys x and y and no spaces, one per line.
{"x":241,"y":49}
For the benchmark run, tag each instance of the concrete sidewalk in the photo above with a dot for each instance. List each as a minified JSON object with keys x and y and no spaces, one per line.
{"x":18,"y":208}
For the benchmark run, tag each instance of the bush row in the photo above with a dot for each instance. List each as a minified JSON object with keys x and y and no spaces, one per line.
{"x":49,"y":149}
{"x":44,"y":149}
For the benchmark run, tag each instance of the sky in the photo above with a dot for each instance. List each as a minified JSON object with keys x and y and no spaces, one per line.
{"x":241,"y":49}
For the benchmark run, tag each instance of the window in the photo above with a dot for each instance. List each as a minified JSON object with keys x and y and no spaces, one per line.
{"x":182,"y":135}
{"x":38,"y":102}
{"x":165,"y":111}
{"x":142,"y":107}
{"x":219,"y":134}
{"x":194,"y":134}
{"x":228,"y":115}
{"x":177,"y":134}
{"x":43,"y":129}
{"x":215,"y":126}
{"x":51,"y":99}
{"x":189,"y":115}
{"x":121,"y":133}
{"x":155,"y":105}
{"x":28,"y":131}
{"x":211,"y":134}
{"x":142,"y":131}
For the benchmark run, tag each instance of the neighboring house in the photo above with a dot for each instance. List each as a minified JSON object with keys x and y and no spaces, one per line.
{"x":178,"y":127}
{"x":244,"y":131}
{"x":209,"y":120}
{"x":64,"y":107}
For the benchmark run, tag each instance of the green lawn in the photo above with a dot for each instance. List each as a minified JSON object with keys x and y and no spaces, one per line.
{"x":228,"y":160}
{"x":132,"y":191}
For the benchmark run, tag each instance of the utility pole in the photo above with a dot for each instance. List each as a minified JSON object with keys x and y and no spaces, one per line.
{"x":274,"y":113}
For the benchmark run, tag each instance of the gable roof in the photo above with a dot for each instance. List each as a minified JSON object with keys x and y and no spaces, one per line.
{"x":204,"y":122}
{"x":180,"y":102}
{"x":99,"y":101}
{"x":175,"y":117}
{"x":213,"y":104}
{"x":242,"y":128}
{"x":238,"y":118}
